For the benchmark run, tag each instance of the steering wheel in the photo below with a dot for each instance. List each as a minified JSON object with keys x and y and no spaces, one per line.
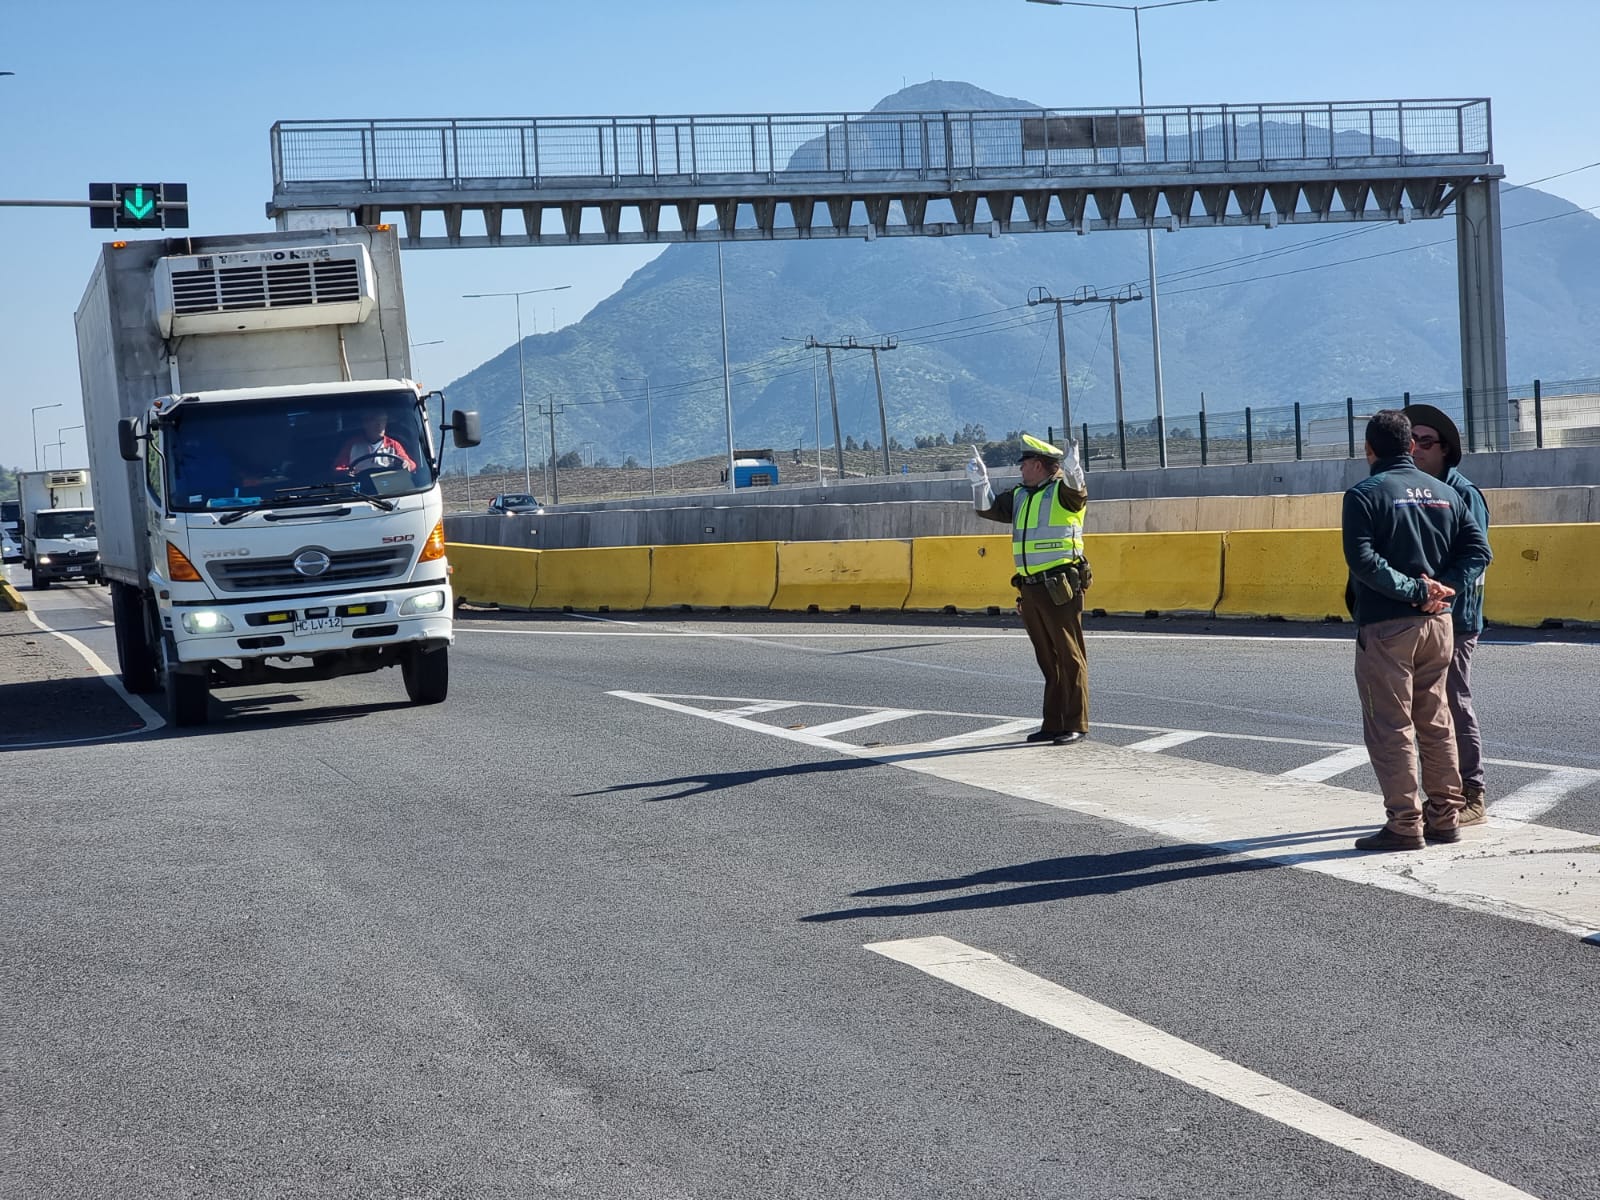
{"x":399,"y":463}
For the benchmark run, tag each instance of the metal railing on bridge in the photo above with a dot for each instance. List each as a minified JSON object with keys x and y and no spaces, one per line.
{"x":860,"y":147}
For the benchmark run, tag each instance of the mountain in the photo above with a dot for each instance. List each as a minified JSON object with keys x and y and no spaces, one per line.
{"x":1248,"y":317}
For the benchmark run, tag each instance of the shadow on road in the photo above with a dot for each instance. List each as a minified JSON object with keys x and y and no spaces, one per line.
{"x":1076,"y":875}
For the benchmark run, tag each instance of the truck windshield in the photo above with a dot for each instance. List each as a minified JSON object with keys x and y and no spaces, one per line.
{"x":297,"y":450}
{"x":64,"y":524}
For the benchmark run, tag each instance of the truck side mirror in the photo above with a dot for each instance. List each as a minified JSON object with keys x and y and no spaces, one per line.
{"x":465,"y":428}
{"x":128,"y":440}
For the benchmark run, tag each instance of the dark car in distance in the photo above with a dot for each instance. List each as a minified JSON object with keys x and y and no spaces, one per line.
{"x":509,"y":504}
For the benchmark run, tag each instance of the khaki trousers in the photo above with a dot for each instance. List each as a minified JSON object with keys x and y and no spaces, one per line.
{"x":1401,"y":670}
{"x":1057,"y":635}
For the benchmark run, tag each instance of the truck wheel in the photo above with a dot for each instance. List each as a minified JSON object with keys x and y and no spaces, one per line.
{"x":40,"y":582}
{"x":427,"y":675}
{"x":188,"y":698}
{"x":134,"y":654}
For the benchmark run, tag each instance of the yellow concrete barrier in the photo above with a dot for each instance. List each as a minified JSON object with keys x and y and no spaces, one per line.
{"x":1299,"y":574}
{"x":613,"y":577}
{"x":836,"y":576}
{"x":10,"y":599}
{"x":1541,"y":573}
{"x":971,"y":574}
{"x":503,"y":575}
{"x":1164,"y":572}
{"x":732,"y":575}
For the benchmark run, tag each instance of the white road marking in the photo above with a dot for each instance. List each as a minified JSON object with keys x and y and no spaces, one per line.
{"x":879,"y":717}
{"x":1166,"y":741}
{"x":1532,"y":800}
{"x":985,"y":975}
{"x":1004,"y":729}
{"x":151,"y":718}
{"x":1334,"y":764}
{"x":750,"y":710}
{"x":1244,"y":813}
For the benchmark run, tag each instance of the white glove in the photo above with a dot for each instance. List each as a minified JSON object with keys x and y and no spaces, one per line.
{"x":1072,"y":468}
{"x":978,"y":474}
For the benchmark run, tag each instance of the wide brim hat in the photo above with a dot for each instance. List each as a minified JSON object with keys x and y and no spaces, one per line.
{"x":1439,"y":421}
{"x":1032,"y":447}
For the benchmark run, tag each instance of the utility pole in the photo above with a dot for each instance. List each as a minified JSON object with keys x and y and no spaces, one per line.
{"x":555,"y":473}
{"x":851,"y":343}
{"x":650,"y":428}
{"x":1088,"y":295}
{"x":1041,"y":295}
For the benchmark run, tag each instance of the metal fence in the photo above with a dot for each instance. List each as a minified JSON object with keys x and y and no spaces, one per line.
{"x":1539,"y":414}
{"x":544,"y":151}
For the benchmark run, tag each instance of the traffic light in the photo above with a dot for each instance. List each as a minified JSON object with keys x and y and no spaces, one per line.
{"x":139,"y":206}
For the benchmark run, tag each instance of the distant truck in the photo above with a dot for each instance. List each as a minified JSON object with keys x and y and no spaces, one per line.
{"x":56,"y":512}
{"x":753,"y":468}
{"x":265,"y":472}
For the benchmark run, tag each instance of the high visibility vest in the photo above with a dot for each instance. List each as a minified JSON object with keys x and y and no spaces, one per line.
{"x":1045,"y":533}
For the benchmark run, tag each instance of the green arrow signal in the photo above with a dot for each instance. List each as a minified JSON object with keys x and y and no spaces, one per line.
{"x":137,"y":206}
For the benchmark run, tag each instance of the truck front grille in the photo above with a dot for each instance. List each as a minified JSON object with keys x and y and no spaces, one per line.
{"x":344,"y":566}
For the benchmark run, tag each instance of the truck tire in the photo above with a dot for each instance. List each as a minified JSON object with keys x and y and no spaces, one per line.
{"x":188,"y":698}
{"x":427,"y":675}
{"x":40,"y":582}
{"x":134,"y":654}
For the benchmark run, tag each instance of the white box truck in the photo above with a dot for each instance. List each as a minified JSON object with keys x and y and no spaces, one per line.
{"x":266,"y":478}
{"x":55,"y":511}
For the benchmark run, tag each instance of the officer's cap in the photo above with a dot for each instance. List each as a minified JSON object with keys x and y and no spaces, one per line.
{"x":1032,"y":447}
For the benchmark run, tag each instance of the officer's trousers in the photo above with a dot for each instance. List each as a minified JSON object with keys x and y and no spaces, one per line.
{"x":1056,"y":631}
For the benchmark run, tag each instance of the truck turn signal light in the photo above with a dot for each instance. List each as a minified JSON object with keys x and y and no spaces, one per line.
{"x":435,"y":547}
{"x":179,"y":568}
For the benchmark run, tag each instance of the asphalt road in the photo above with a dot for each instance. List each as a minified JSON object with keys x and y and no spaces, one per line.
{"x":550,"y":940}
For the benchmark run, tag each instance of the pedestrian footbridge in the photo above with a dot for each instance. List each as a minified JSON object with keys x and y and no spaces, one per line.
{"x":574,"y":181}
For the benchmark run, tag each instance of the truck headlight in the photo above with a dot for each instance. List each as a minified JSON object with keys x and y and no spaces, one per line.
{"x":41,"y":559}
{"x":426,"y":603}
{"x":206,"y":622}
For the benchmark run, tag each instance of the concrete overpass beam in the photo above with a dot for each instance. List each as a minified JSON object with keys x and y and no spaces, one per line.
{"x":1483,"y":315}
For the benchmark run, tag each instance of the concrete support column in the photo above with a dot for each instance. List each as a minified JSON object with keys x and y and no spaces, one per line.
{"x":1481,"y":294}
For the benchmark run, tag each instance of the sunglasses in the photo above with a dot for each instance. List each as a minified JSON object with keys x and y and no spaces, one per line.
{"x":1427,"y":443}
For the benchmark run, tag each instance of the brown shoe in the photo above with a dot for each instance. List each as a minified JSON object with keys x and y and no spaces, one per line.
{"x":1473,"y":813}
{"x":1442,"y":834}
{"x":1387,"y":839}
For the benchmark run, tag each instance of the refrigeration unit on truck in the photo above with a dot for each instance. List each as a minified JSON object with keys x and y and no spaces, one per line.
{"x":266,"y":476}
{"x":56,"y":513}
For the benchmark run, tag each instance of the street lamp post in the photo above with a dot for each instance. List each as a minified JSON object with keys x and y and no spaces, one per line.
{"x":62,"y":443}
{"x":33,"y":418}
{"x":1149,"y":234}
{"x":522,"y":379}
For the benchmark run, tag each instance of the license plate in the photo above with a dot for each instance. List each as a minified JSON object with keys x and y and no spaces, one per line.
{"x":318,"y":624}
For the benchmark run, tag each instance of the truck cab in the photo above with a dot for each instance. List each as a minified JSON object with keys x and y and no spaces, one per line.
{"x":61,"y":544}
{"x":753,"y":468}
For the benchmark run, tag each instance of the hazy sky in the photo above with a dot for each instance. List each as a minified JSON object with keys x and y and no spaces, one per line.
{"x":187,"y":90}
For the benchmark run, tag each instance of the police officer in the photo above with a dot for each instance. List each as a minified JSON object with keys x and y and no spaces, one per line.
{"x":1046,"y":517}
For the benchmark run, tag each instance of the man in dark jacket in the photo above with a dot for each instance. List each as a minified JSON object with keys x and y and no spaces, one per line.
{"x":1411,"y":544}
{"x":1436,"y":449}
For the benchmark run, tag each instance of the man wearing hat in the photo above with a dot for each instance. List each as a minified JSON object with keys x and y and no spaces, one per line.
{"x":1436,"y":449}
{"x":1046,"y":517}
{"x":1411,"y":546}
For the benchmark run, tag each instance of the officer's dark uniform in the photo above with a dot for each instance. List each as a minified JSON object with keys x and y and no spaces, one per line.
{"x":1047,"y":549}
